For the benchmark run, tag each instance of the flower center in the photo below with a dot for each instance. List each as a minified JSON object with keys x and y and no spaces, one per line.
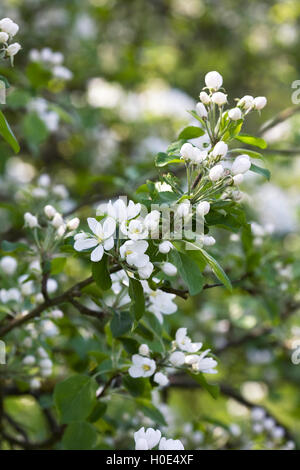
{"x":146,"y":367}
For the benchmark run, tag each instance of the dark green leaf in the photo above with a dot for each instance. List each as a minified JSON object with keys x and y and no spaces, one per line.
{"x":121,"y":323}
{"x":136,"y":293}
{"x":8,"y":134}
{"x":191,"y":132}
{"x":261,"y":171}
{"x":101,"y":274}
{"x":188,"y":270}
{"x":80,"y":436}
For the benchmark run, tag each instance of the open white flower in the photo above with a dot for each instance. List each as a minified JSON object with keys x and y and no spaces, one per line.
{"x":146,"y":440}
{"x":142,"y":366}
{"x":170,"y":444}
{"x":146,"y":271}
{"x":135,"y":230}
{"x":185,"y":343}
{"x":203,"y":364}
{"x":134,"y":253}
{"x":119,"y":211}
{"x":161,"y":379}
{"x":102,"y":238}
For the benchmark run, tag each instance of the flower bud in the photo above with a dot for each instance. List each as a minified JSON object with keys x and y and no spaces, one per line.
{"x":213,"y":80}
{"x":31,"y":221}
{"x":8,"y":265}
{"x":49,"y":211}
{"x":238,"y":179}
{"x":260,"y":102}
{"x":198,"y":155}
{"x":13,"y":49}
{"x":9,"y":26}
{"x":241,"y":164}
{"x":57,"y":220}
{"x":220,"y":149}
{"x":177,"y":358}
{"x":146,"y":271}
{"x":144,"y":350}
{"x":203,"y":208}
{"x":73,"y":224}
{"x":161,"y":379}
{"x":187,"y":151}
{"x":201,"y":110}
{"x":169,"y":269}
{"x":246,"y":102}
{"x":208,"y":240}
{"x":204,"y":97}
{"x":3,"y":37}
{"x":219,"y":98}
{"x":216,"y":172}
{"x":235,"y":114}
{"x":165,"y":247}
{"x":29,"y":360}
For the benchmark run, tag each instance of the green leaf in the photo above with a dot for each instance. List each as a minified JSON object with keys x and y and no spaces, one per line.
{"x":195,"y":115}
{"x":80,"y":436}
{"x":8,"y":134}
{"x":163,"y":159}
{"x":189,"y":271}
{"x":251,"y":153}
{"x":191,"y":132}
{"x":261,"y":171}
{"x":212,"y":389}
{"x":75,"y":398}
{"x":151,"y":411}
{"x":121,"y":323}
{"x":57,"y":265}
{"x":251,"y":140}
{"x":101,"y":274}
{"x":97,"y":412}
{"x":34,"y":129}
{"x":136,"y":294}
{"x":130,"y":345}
{"x":137,"y":387}
{"x":10,"y":247}
{"x":217,"y":269}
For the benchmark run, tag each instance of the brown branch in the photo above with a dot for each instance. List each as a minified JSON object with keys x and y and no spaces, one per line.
{"x":282,"y":116}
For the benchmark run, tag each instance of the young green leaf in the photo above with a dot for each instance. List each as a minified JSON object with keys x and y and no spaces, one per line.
{"x":8,"y":134}
{"x":136,"y":293}
{"x":251,"y":140}
{"x":191,"y":132}
{"x":163,"y":159}
{"x":189,"y":271}
{"x":121,"y":323}
{"x":261,"y":171}
{"x":75,"y":398}
{"x":101,"y":274}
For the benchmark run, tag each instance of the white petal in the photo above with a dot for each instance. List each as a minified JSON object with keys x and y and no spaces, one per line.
{"x":153,"y":437}
{"x":85,"y":243}
{"x":141,"y":444}
{"x":95,"y":226}
{"x":109,"y":243}
{"x":109,"y":227}
{"x":97,"y":253}
{"x":135,"y":371}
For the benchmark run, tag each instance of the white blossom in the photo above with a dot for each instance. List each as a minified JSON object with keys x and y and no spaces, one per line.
{"x":241,"y":164}
{"x":102,"y":238}
{"x":142,"y":366}
{"x":3,"y":37}
{"x":49,"y":211}
{"x":161,"y":379}
{"x":216,"y":172}
{"x":146,"y":271}
{"x":29,"y":360}
{"x":169,"y":269}
{"x":219,"y":98}
{"x":201,"y":110}
{"x":9,"y":26}
{"x":246,"y":102}
{"x":144,"y":350}
{"x":8,"y":265}
{"x":146,"y":439}
{"x":235,"y":114}
{"x":204,"y":97}
{"x":73,"y":224}
{"x":185,"y":343}
{"x":170,"y":444}
{"x":31,"y":220}
{"x":259,"y":102}
{"x":238,"y":179}
{"x":213,"y":80}
{"x":119,"y":211}
{"x":13,"y":49}
{"x":203,"y":208}
{"x":57,"y":220}
{"x":134,"y":253}
{"x":220,"y":149}
{"x":177,"y":358}
{"x":165,"y":246}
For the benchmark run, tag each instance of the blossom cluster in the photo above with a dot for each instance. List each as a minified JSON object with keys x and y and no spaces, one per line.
{"x":184,"y":353}
{"x":8,"y":29}
{"x":52,"y":61}
{"x":150,"y":438}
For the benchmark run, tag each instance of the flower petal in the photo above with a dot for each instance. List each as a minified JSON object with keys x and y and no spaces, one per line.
{"x":109,"y":243}
{"x":95,"y":226}
{"x":109,"y":227}
{"x":97,"y":253}
{"x":85,"y":243}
